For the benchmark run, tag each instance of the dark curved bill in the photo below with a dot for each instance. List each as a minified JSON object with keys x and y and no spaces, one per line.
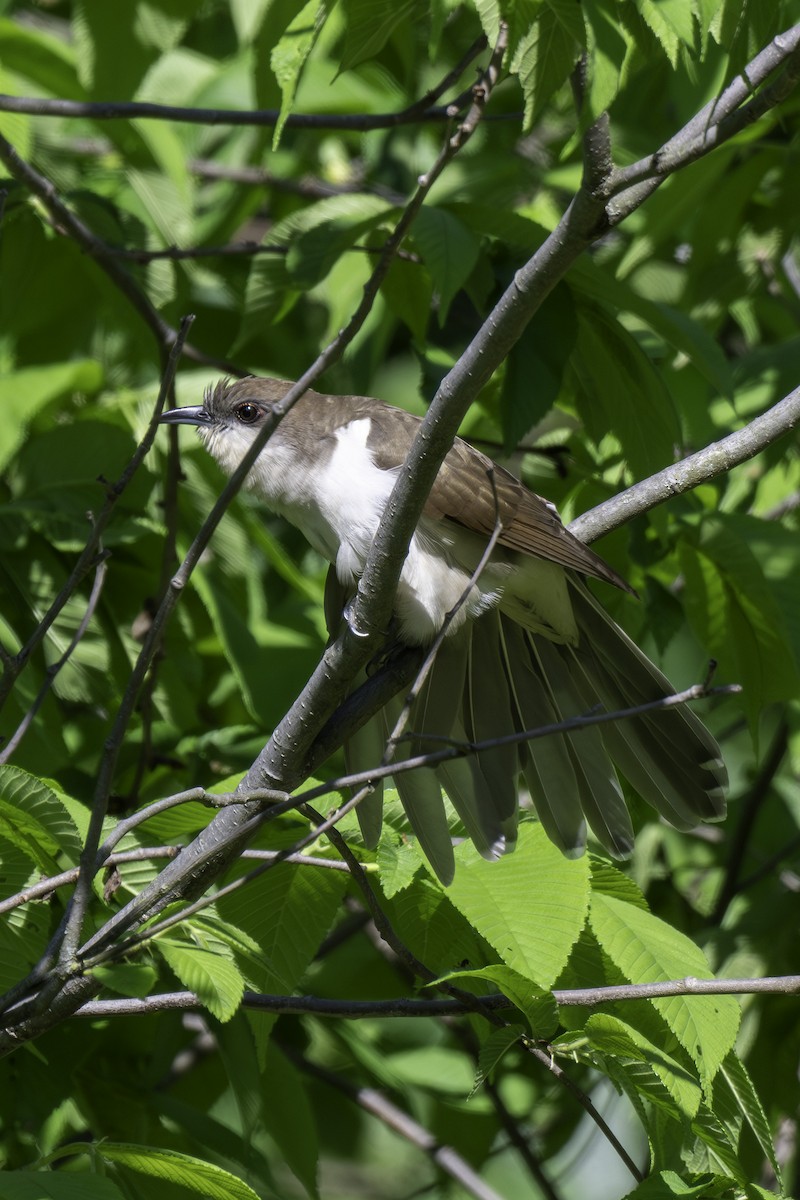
{"x":191,"y":415}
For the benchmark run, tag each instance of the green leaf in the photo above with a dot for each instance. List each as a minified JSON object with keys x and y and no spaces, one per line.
{"x":99,"y":30}
{"x":442,"y":1070}
{"x":27,"y":391}
{"x":408,"y":291}
{"x":535,"y":368}
{"x":398,"y":862}
{"x":663,"y":1185}
{"x":734,"y":612}
{"x":647,"y":950}
{"x":287,"y":912}
{"x":423,"y":916}
{"x":289,"y":56}
{"x":58,"y":1185}
{"x":609,"y":880}
{"x":275,"y":283}
{"x":181,"y":1169}
{"x":622,"y":393}
{"x":612,"y":1036}
{"x":247,"y":16}
{"x":215,"y":980}
{"x":545,"y":57}
{"x":608,"y":46}
{"x":47,"y":61}
{"x":450,"y":251}
{"x":735,"y":1075}
{"x":538,"y":1006}
{"x":289,"y":1117}
{"x":370,"y":24}
{"x":34,"y":820}
{"x":128,"y":979}
{"x":720,"y":1143}
{"x":492,"y":1050}
{"x":681,"y":333}
{"x":672,"y":22}
{"x":315,"y":252}
{"x":530,"y":906}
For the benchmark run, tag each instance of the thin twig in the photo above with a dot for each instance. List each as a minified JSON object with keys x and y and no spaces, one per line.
{"x":422,"y":110}
{"x":80,"y":900}
{"x":100,"y":949}
{"x":46,"y":887}
{"x":748,"y":814}
{"x":65,"y":220}
{"x":404,"y":1006}
{"x":713,"y":460}
{"x":378,"y":1105}
{"x":88,"y":556}
{"x":54,"y":668}
{"x":720,"y":120}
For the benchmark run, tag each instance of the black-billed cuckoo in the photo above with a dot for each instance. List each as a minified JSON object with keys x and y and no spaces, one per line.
{"x":529,"y":646}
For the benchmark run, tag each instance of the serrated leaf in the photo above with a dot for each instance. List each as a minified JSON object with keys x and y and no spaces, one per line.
{"x":290,"y":54}
{"x":34,"y":820}
{"x":215,"y":980}
{"x":498,"y":1043}
{"x":289,"y":1117}
{"x":58,"y":1185}
{"x":426,"y":920}
{"x":663,"y":1185}
{"x":608,"y":46}
{"x":647,"y":950}
{"x":530,"y":906}
{"x":538,"y":1006}
{"x":609,"y":880}
{"x":314,"y":253}
{"x":545,"y":57}
{"x":611,"y":365}
{"x":612,"y":1036}
{"x":180,"y":1169}
{"x":27,"y":391}
{"x":272,"y":288}
{"x":666,"y":34}
{"x":127,"y":979}
{"x":721,"y":1146}
{"x":678,"y":331}
{"x":398,"y":863}
{"x":734,"y":612}
{"x":370,"y":24}
{"x":735,"y":1074}
{"x":535,"y":367}
{"x":450,"y":251}
{"x":287,"y":912}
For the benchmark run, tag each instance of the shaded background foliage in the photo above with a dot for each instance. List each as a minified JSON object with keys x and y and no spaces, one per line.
{"x":678,"y":327}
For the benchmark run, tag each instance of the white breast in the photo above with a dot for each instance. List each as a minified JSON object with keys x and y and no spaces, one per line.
{"x":338,"y":506}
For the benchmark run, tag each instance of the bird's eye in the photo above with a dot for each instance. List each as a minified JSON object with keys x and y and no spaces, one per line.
{"x":247,"y":413}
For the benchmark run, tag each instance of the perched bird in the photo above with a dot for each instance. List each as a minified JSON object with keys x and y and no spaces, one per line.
{"x":529,"y":646}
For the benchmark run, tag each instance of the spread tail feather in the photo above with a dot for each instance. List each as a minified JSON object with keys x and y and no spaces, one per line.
{"x":494,"y":677}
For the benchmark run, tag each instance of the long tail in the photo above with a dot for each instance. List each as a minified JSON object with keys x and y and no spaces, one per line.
{"x":495,"y":678}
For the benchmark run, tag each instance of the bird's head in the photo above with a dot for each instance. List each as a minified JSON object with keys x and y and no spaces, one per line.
{"x":230,"y":416}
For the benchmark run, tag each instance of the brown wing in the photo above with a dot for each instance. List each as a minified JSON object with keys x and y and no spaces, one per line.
{"x":470,"y":489}
{"x":474,"y":492}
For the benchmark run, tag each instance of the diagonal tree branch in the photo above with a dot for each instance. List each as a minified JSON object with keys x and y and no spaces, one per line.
{"x":708,"y":463}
